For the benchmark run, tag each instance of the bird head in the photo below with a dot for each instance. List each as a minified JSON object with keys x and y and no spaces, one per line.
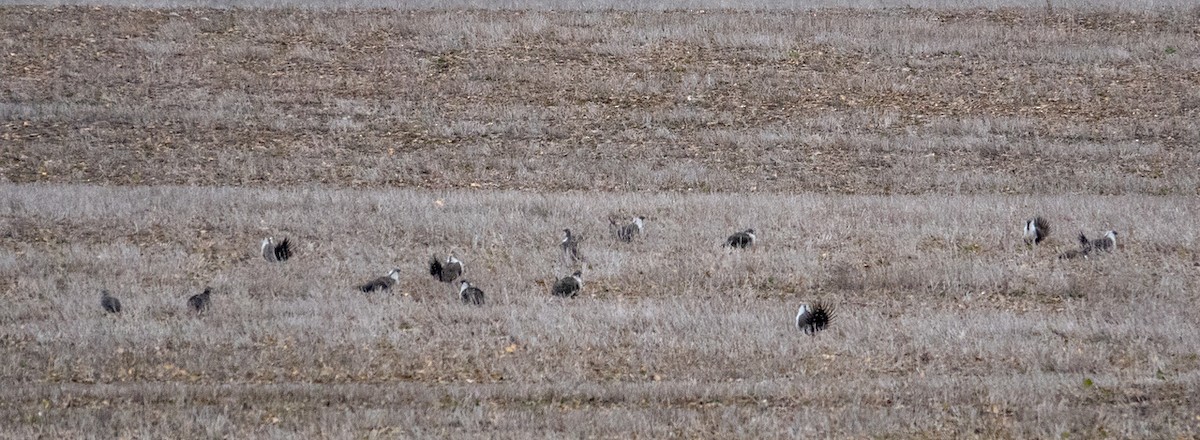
{"x":394,"y":274}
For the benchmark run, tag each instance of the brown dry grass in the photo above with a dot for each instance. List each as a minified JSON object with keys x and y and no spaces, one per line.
{"x":891,"y":102}
{"x":148,"y":151}
{"x":948,"y":325}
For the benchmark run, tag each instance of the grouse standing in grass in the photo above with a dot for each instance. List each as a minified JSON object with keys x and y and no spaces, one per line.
{"x":812,"y":319}
{"x":382,"y":283}
{"x":109,"y":303}
{"x":741,"y":240}
{"x":470,"y":294}
{"x":276,"y":252}
{"x":1036,"y":230}
{"x":568,"y":287}
{"x":630,"y":231}
{"x":570,"y":248}
{"x":445,"y":272}
{"x":199,"y":303}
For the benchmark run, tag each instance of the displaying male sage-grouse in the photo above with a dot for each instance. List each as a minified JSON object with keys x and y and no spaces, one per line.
{"x":570,"y":248}
{"x":815,"y":318}
{"x":569,"y":286}
{"x":1086,"y":247}
{"x":628,"y":232}
{"x":109,"y":303}
{"x":470,"y":294}
{"x":741,"y":240}
{"x":445,"y":272}
{"x":199,"y":302}
{"x":382,"y":283}
{"x":276,"y":252}
{"x":1036,"y":230}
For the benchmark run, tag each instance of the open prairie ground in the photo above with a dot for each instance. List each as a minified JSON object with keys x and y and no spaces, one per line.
{"x":836,"y":101}
{"x":947,"y":326}
{"x":886,"y":158}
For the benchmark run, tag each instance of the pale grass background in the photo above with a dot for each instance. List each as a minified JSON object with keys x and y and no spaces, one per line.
{"x":148,"y":152}
{"x":591,"y":5}
{"x":947,"y":325}
{"x":957,"y":102}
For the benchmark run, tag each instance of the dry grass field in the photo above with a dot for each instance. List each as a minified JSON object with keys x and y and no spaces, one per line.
{"x":947,"y":325}
{"x":887,"y":159}
{"x":835,"y":101}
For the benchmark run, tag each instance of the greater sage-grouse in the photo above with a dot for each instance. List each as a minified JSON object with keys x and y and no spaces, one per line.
{"x":741,"y":240}
{"x":470,"y":294}
{"x":812,"y":319}
{"x":109,"y":303}
{"x":1087,"y":247}
{"x":1106,"y":243}
{"x":199,"y":302}
{"x":630,"y":231}
{"x":382,"y":283}
{"x":276,"y":252}
{"x":568,"y":287}
{"x":1036,"y":230}
{"x":445,"y":272}
{"x":570,"y":248}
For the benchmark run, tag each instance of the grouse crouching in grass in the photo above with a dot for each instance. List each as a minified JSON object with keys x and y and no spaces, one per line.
{"x":109,"y":303}
{"x":812,"y":319}
{"x":630,"y":231}
{"x":382,"y":283}
{"x":199,"y":303}
{"x":741,"y":240}
{"x":445,"y":272}
{"x":1036,"y":230}
{"x":470,"y":294}
{"x":273,"y":252}
{"x":568,"y":287}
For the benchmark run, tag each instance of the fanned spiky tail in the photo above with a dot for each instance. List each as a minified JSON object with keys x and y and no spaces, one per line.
{"x":1043,"y":227}
{"x":435,"y":267}
{"x":815,"y":318}
{"x":283,"y":250}
{"x":822,"y":316}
